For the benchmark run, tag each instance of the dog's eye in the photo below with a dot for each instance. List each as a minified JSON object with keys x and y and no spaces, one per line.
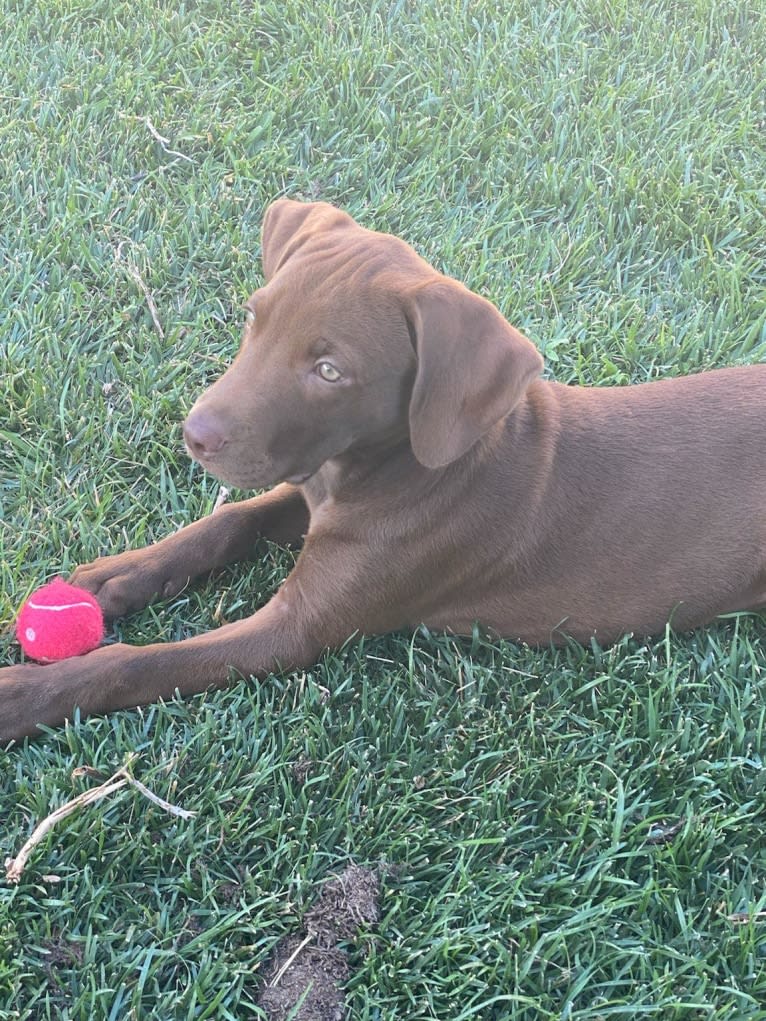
{"x":249,"y":316}
{"x":328,"y":372}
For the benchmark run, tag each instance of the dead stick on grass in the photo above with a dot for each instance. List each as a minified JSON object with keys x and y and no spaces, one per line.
{"x":164,"y":142}
{"x":15,"y":866}
{"x":220,"y":500}
{"x":135,"y":275}
{"x":301,"y":946}
{"x":743,"y":918}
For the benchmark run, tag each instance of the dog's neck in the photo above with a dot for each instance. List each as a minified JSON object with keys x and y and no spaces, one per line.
{"x":368,"y":465}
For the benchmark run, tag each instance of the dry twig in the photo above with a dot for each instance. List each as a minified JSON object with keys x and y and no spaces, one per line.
{"x":15,"y":866}
{"x":220,"y":500}
{"x":745,"y":917}
{"x":301,"y":946}
{"x":135,"y":275}
{"x":164,"y":142}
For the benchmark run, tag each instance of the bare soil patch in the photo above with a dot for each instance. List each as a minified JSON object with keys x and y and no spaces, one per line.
{"x":305,"y":978}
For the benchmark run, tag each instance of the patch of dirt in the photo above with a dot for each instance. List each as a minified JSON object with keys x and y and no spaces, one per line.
{"x":61,"y":956}
{"x":306,"y":974}
{"x":62,"y":952}
{"x":312,"y":981}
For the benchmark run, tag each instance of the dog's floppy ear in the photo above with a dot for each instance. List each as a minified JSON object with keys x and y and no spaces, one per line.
{"x":282,"y":222}
{"x":473,"y":368}
{"x":289,"y":224}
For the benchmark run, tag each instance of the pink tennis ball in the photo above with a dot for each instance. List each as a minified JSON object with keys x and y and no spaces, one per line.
{"x":59,"y":621}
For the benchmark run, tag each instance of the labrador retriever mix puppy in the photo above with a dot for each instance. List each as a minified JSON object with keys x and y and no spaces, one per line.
{"x":430,"y":476}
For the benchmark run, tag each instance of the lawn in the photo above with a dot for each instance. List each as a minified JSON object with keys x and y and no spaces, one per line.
{"x":558,"y":834}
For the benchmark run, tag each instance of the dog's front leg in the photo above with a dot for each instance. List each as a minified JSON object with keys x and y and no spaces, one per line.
{"x":122,"y":676}
{"x":128,"y":581}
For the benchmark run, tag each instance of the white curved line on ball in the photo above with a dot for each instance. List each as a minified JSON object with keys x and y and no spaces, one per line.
{"x":64,"y":606}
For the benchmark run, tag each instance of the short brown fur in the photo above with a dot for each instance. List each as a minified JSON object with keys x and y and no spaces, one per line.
{"x":437,"y":479}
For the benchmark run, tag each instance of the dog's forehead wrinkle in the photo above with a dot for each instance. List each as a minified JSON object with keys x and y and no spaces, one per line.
{"x":363,"y":312}
{"x":351,"y":256}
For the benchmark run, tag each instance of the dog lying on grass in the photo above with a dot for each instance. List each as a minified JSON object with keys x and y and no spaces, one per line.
{"x":430,"y":476}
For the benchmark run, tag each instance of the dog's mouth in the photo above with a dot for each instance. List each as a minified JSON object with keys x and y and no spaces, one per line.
{"x":262,"y":479}
{"x":259,"y":476}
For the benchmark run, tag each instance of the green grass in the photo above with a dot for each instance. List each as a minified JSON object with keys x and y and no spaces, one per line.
{"x":599,"y":171}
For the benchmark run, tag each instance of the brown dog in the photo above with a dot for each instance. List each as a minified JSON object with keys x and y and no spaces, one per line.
{"x":433,"y":478}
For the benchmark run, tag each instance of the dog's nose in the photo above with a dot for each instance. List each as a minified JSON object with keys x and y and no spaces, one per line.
{"x":203,"y":434}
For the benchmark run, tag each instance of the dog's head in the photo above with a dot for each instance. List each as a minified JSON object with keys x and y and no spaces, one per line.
{"x":354,"y":342}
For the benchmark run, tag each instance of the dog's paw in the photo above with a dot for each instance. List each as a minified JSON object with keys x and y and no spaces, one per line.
{"x":128,"y":581}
